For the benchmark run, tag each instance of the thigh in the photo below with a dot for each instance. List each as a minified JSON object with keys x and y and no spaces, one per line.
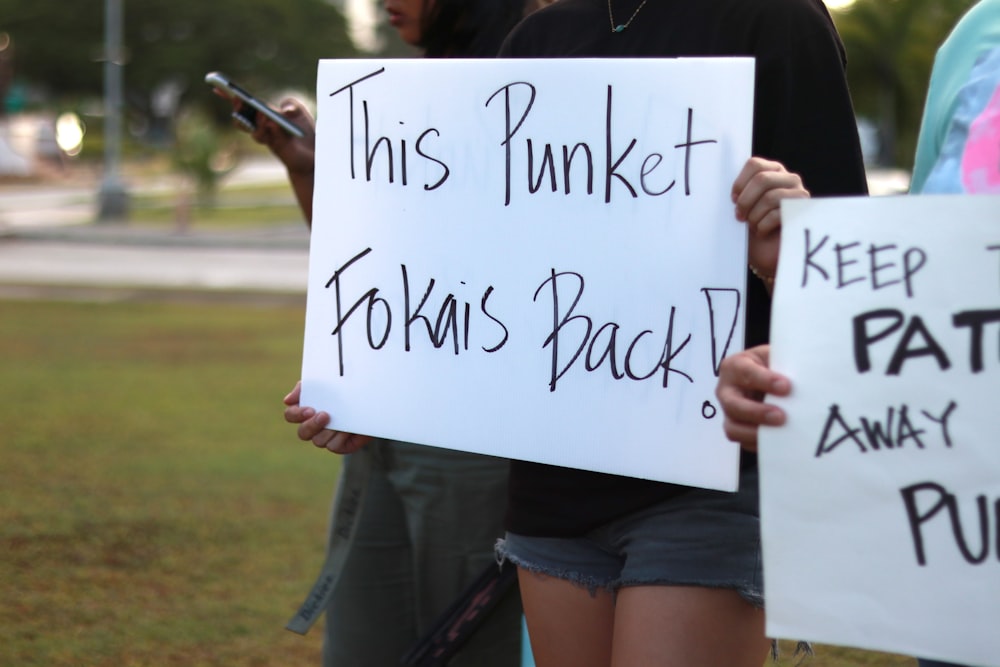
{"x":569,"y":626}
{"x":370,"y":619}
{"x":566,"y":586}
{"x":687,"y":626}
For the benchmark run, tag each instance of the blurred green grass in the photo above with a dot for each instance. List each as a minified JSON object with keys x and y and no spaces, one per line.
{"x":154,"y":507}
{"x":155,"y":510}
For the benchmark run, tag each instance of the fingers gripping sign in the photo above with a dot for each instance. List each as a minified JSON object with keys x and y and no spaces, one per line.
{"x":313,"y":427}
{"x":744,"y":381}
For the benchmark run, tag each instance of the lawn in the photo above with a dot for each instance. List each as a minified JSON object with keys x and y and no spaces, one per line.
{"x":155,"y":510}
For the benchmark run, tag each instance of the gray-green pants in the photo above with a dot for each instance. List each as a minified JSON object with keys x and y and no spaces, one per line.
{"x":427,"y":528}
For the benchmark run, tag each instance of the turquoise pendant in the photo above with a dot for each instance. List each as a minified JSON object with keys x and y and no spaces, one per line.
{"x":619,"y":28}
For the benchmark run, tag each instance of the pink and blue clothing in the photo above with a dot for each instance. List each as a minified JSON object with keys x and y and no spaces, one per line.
{"x":958,"y":150}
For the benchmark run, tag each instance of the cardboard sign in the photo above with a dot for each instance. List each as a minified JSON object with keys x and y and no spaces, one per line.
{"x":536,"y":259}
{"x":881,"y":495}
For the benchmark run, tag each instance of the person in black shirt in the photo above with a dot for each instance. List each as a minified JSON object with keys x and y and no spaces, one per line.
{"x":622,"y":571}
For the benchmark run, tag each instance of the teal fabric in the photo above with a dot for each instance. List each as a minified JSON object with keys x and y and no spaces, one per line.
{"x":977,"y":33}
{"x":527,"y":659}
{"x":965,"y":84}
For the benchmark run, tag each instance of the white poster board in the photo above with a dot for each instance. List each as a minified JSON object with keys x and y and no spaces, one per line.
{"x":880,"y":497}
{"x":536,"y":259}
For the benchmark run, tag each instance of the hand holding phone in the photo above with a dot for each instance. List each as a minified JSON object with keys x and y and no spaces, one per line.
{"x":252,"y":105}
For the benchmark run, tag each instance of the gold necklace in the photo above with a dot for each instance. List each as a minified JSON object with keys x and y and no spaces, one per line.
{"x":621,"y":26}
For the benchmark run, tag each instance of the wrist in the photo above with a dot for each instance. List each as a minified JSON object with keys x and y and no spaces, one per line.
{"x":302,"y":168}
{"x":763,"y":276}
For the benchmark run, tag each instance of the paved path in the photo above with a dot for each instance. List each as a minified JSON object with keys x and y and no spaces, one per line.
{"x":63,"y":264}
{"x":48,"y":239}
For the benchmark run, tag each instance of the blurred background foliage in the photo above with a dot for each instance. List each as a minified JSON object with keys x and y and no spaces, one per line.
{"x":271,"y":47}
{"x":267,"y":45}
{"x":890,"y":51}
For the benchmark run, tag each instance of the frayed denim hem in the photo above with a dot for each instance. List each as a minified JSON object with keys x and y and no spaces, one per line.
{"x":803,"y":650}
{"x":592,"y":584}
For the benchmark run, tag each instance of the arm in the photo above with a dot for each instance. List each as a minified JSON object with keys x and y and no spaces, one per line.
{"x":744,"y":380}
{"x":313,"y":427}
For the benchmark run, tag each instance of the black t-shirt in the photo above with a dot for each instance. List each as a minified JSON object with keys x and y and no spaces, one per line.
{"x":803,"y":118}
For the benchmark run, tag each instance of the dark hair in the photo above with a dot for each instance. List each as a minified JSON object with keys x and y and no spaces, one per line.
{"x":468,"y":28}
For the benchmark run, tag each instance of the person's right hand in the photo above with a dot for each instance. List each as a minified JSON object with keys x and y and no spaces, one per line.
{"x":313,"y":427}
{"x":297,"y":154}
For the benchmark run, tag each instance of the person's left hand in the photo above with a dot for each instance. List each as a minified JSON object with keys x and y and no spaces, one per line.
{"x":744,"y":379}
{"x":757,"y":193}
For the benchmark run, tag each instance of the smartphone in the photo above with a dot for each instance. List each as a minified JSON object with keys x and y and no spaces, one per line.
{"x":251,"y":107}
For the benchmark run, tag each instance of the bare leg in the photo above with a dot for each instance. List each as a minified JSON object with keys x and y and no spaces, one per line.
{"x":687,"y":626}
{"x":567,"y":625}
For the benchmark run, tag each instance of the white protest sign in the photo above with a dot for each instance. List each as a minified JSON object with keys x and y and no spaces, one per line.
{"x":880,"y":497}
{"x":536,"y":259}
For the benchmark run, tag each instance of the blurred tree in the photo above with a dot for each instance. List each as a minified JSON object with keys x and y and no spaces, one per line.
{"x":266,"y":45}
{"x":890,"y":50}
{"x":203,"y":154}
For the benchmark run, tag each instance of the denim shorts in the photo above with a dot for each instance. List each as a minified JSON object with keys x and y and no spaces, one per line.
{"x":698,"y":538}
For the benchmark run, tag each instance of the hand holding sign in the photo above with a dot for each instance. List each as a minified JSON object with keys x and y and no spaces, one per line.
{"x":313,"y":426}
{"x":745,"y":380}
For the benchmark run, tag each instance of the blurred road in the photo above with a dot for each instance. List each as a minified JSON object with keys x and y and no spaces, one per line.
{"x":49,"y":244}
